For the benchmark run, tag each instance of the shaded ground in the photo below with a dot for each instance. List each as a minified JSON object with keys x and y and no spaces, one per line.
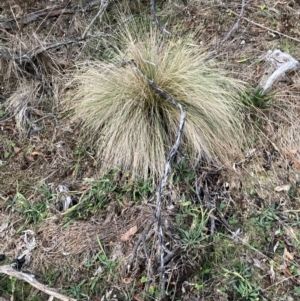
{"x":83,"y":251}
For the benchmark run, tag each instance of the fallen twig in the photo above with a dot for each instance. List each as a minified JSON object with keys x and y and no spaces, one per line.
{"x":150,"y":268}
{"x":231,"y":31}
{"x":33,"y":53}
{"x":268,"y":29}
{"x":46,"y":13}
{"x":236,"y":25}
{"x":165,"y":175}
{"x":283,"y":63}
{"x":103,"y":6}
{"x":140,"y":240}
{"x":8,"y":270}
{"x":154,"y":16}
{"x":171,"y":255}
{"x":164,"y":178}
{"x":66,"y":42}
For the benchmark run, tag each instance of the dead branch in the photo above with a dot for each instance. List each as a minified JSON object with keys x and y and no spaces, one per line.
{"x":150,"y":268}
{"x":154,"y":16}
{"x":163,"y":180}
{"x":268,"y":28}
{"x":140,"y":240}
{"x":236,"y":25}
{"x":231,"y":31}
{"x":37,"y":51}
{"x":171,"y":255}
{"x":46,"y":13}
{"x":19,"y":59}
{"x":24,"y":20}
{"x":28,"y":57}
{"x":103,"y":6}
{"x":283,"y":62}
{"x":8,"y":270}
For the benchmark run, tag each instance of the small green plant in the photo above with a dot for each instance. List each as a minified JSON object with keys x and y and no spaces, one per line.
{"x":107,"y":265}
{"x":192,"y":226}
{"x":143,"y":279}
{"x":183,"y":172}
{"x":138,"y":189}
{"x":199,"y":286}
{"x":131,"y":126}
{"x":75,"y":290}
{"x":80,"y":151}
{"x":256,"y":98}
{"x":109,"y":188}
{"x":241,"y":282}
{"x":33,"y":212}
{"x":6,"y":147}
{"x":233,"y":220}
{"x":17,"y":289}
{"x":46,"y":194}
{"x":267,"y":218}
{"x":98,"y":272}
{"x":293,"y":193}
{"x":297,"y":291}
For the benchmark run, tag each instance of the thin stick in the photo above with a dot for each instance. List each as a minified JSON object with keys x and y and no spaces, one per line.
{"x":8,"y":270}
{"x":269,"y":29}
{"x":140,"y":240}
{"x":170,"y":256}
{"x":154,"y":16}
{"x":236,"y":25}
{"x":33,"y":53}
{"x":150,"y":269}
{"x":164,"y":178}
{"x":47,"y":13}
{"x":103,"y":6}
{"x":165,"y":175}
{"x":231,"y":31}
{"x":65,"y":42}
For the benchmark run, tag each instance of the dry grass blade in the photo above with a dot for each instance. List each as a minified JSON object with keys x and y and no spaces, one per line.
{"x":133,"y":127}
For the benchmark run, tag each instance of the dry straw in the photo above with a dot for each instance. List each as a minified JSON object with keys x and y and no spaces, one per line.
{"x":133,"y":128}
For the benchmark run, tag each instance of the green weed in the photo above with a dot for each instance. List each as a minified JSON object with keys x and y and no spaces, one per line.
{"x":257,"y":99}
{"x":192,"y":223}
{"x":17,"y":289}
{"x":32,"y":212}
{"x":109,"y":188}
{"x":102,"y":270}
{"x":183,"y":173}
{"x":240,"y":280}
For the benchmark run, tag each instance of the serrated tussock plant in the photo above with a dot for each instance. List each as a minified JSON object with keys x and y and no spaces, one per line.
{"x":132,"y":127}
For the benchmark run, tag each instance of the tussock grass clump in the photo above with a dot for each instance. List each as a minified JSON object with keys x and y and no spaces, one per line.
{"x":132,"y":127}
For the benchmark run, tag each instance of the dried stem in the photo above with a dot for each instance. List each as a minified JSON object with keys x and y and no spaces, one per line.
{"x":268,"y":28}
{"x":12,"y":23}
{"x":154,"y":16}
{"x":163,"y":181}
{"x":236,"y":25}
{"x":102,"y":9}
{"x":231,"y":31}
{"x":8,"y":270}
{"x":140,"y":240}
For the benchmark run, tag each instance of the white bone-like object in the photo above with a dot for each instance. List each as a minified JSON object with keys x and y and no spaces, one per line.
{"x":283,"y":63}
